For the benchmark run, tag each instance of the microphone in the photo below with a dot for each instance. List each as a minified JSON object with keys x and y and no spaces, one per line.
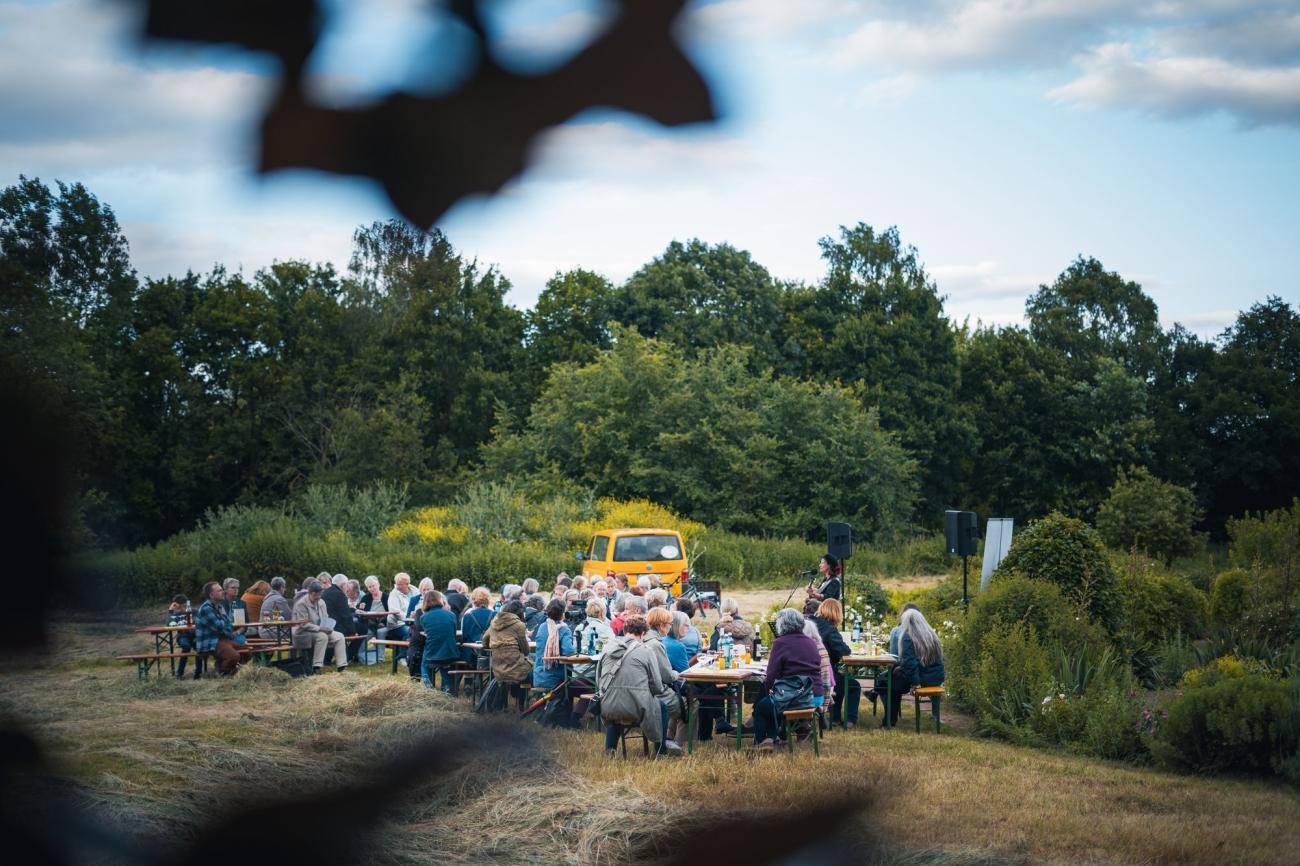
{"x":809,"y":573}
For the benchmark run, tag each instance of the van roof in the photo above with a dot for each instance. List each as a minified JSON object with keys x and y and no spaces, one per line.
{"x":637,"y":532}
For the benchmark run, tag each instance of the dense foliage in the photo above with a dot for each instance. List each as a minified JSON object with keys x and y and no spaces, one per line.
{"x":199,"y":390}
{"x":1069,"y":553}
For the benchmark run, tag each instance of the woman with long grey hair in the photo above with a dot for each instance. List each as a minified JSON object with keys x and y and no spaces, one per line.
{"x":920,"y":660}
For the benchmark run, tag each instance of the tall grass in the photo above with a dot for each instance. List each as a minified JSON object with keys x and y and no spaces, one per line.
{"x":491,"y":534}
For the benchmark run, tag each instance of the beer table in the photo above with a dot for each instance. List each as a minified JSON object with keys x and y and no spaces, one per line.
{"x":881,"y":668}
{"x":733,"y":682}
{"x":569,"y":662}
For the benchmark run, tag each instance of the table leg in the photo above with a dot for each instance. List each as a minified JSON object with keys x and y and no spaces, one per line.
{"x":888,"y":675}
{"x":690,"y":726}
{"x":740,"y":714}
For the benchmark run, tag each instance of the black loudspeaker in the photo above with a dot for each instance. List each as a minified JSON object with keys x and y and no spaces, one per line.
{"x":961,"y":532}
{"x":839,"y":540}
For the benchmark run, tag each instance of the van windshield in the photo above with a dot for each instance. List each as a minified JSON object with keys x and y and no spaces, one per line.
{"x":650,"y":548}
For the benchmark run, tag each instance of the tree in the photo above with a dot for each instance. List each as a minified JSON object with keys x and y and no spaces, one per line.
{"x":1091,"y":313}
{"x":570,"y":321}
{"x":699,"y":296}
{"x":1152,"y":515}
{"x":707,"y":437}
{"x":876,"y":323}
{"x":1251,"y":409}
{"x":1046,"y":439}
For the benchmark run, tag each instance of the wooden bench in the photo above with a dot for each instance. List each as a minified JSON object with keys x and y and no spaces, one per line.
{"x":933,"y":694}
{"x":145,"y":661}
{"x":476,"y":678}
{"x":808,"y":715}
{"x":395,"y":644}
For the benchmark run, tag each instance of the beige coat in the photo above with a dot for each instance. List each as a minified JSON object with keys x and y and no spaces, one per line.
{"x":507,"y":637}
{"x":628,"y":679}
{"x":313,"y":613}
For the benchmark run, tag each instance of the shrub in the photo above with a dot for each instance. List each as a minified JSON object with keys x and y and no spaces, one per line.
{"x":1112,"y":728}
{"x":1225,"y":668}
{"x":1172,"y":657}
{"x":359,"y":510}
{"x":1230,"y":596}
{"x":1144,"y":513}
{"x":1157,"y":603}
{"x":1232,"y":724}
{"x":1037,"y":604}
{"x":1070,"y":554}
{"x":1008,"y":677}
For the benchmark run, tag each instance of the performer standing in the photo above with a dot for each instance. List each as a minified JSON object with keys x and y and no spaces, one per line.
{"x":832,"y":573}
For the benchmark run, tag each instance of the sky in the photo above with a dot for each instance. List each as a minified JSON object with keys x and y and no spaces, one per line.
{"x":1002,"y":137}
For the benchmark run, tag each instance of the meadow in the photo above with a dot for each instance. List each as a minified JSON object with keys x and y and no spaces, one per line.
{"x":157,"y":756}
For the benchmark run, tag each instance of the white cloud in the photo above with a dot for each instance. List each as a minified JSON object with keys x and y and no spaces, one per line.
{"x":1116,"y":76}
{"x":77,"y":97}
{"x":975,"y":35}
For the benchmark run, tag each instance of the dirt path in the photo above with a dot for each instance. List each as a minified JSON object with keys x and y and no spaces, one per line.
{"x":756,"y":602}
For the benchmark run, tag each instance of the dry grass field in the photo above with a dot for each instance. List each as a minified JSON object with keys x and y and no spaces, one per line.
{"x":156,"y":756}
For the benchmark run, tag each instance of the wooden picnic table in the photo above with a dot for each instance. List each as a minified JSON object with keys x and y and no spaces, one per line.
{"x":732,"y":681}
{"x":881,"y":667}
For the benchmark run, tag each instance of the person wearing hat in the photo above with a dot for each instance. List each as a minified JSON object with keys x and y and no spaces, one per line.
{"x":831,"y":572}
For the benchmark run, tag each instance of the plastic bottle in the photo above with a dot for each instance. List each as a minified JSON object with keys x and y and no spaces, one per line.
{"x":857,"y":631}
{"x":725,"y":645}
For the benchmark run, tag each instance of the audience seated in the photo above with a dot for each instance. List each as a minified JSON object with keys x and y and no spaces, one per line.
{"x":313,"y":634}
{"x":920,"y":660}
{"x":554,"y":638}
{"x":213,"y":631}
{"x":692,"y":639}
{"x":629,"y":677}
{"x":476,"y":621}
{"x":829,"y":619}
{"x":252,"y":599}
{"x":794,"y":655}
{"x":457,"y":597}
{"x":507,"y":638}
{"x":440,"y":649}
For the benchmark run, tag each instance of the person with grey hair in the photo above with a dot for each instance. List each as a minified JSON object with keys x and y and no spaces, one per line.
{"x":315,"y":633}
{"x":794,"y":658}
{"x":510,"y":592}
{"x":232,"y":602}
{"x":633,"y":605}
{"x":920,"y":661}
{"x":456,"y":598}
{"x":274,"y":606}
{"x":732,"y":623}
{"x":345,"y":621}
{"x":353,"y":591}
{"x":530,"y":586}
{"x":656,"y":598}
{"x":534,"y":613}
{"x":828,"y":670}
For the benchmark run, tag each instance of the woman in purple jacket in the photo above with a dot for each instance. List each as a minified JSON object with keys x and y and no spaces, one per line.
{"x":793,"y":654}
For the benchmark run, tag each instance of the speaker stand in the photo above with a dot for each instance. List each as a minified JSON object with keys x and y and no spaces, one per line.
{"x":965,"y":599}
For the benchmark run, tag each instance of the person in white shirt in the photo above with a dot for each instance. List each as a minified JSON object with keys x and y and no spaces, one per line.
{"x":399,"y":602}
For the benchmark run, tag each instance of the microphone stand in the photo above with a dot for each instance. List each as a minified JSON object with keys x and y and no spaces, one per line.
{"x":796,"y":589}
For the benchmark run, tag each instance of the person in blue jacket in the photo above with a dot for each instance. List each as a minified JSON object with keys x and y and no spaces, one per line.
{"x":476,"y":621}
{"x":920,"y":660}
{"x":554,"y":638}
{"x":440,"y":648}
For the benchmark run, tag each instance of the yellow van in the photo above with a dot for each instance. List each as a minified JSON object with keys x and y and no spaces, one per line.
{"x":636,"y":552}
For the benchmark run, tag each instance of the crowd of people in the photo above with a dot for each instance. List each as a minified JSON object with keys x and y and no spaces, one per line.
{"x":643,"y":637}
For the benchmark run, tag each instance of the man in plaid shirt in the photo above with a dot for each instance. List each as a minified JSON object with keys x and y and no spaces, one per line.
{"x":213,"y":631}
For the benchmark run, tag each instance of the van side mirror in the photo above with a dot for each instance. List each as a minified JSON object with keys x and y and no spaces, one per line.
{"x":579,"y":555}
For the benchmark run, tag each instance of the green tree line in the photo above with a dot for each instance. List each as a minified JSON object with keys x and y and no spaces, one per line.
{"x":702,"y":382}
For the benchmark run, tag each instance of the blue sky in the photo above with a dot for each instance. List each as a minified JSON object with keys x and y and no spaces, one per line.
{"x":1002,"y":137}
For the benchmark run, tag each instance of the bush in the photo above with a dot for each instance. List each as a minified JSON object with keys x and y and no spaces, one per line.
{"x":1172,"y":657}
{"x":1070,"y":554}
{"x":1225,"y":668}
{"x":361,"y":511}
{"x":1232,"y":724}
{"x":1147,"y":514}
{"x":1037,"y":604}
{"x":1230,"y":596}
{"x":1006,"y":680}
{"x":1157,"y":603}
